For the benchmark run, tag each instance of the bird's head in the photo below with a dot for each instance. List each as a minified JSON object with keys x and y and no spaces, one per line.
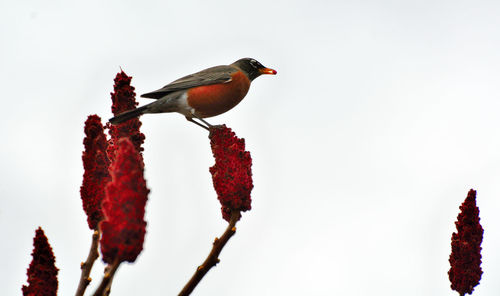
{"x":252,"y":68}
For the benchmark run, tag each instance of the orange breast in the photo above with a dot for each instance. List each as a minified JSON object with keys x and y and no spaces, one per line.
{"x":215,"y":99}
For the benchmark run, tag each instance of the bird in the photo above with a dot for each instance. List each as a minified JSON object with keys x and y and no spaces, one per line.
{"x":207,"y":93}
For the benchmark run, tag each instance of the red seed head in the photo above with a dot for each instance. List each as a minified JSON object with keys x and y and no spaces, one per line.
{"x":465,"y":258}
{"x":123,"y":99}
{"x":42,"y":272}
{"x":232,"y":171}
{"x":123,"y":227}
{"x":95,"y":164}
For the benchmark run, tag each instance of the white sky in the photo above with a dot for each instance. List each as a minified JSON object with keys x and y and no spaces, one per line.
{"x":381,"y":118}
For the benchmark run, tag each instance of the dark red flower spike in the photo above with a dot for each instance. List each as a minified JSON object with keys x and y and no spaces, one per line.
{"x":123,"y":99}
{"x":95,"y":164}
{"x":465,"y":258}
{"x":232,"y":171}
{"x":123,"y":227}
{"x":42,"y":272}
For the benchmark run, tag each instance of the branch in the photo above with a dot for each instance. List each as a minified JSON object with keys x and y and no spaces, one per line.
{"x":105,"y":286}
{"x":212,"y":258}
{"x":87,"y":265}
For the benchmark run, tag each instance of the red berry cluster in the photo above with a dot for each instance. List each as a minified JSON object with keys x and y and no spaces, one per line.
{"x":123,"y":99}
{"x":42,"y":272}
{"x":123,"y":227}
{"x":95,"y":164}
{"x":232,"y":171}
{"x":465,"y":258}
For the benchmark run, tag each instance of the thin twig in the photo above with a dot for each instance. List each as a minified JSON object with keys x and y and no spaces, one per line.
{"x":213,"y":257}
{"x":105,"y":286}
{"x":87,"y":265}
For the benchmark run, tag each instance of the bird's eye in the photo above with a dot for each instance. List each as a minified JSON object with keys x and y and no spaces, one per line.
{"x":254,"y":63}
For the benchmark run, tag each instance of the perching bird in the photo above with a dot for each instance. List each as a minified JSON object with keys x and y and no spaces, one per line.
{"x":207,"y":93}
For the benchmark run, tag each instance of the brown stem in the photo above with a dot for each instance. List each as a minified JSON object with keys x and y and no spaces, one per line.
{"x":213,"y":257}
{"x":87,"y":265}
{"x":105,"y":286}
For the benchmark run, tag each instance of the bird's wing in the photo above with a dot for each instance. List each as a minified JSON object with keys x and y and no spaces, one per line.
{"x":214,"y":75}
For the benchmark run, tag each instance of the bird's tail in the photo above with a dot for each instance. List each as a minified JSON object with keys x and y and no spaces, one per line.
{"x":128,"y":115}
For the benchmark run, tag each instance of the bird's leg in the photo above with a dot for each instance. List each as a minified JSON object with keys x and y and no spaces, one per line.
{"x":197,"y":123}
{"x":201,"y":119}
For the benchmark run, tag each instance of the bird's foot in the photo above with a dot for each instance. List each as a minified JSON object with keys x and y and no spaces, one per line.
{"x":207,"y":126}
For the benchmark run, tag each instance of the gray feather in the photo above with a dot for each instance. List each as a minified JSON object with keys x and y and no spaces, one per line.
{"x":213,"y":75}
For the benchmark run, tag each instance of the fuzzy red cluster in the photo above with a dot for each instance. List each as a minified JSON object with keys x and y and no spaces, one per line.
{"x":232,"y":171}
{"x":42,"y":272}
{"x":123,"y":99}
{"x":123,"y":227}
{"x":465,"y":258}
{"x":95,"y":164}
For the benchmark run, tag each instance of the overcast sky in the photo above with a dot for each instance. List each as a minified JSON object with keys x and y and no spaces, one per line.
{"x":381,"y":118}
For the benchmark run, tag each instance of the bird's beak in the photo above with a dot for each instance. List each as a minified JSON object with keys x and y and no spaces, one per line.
{"x":267,"y":71}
